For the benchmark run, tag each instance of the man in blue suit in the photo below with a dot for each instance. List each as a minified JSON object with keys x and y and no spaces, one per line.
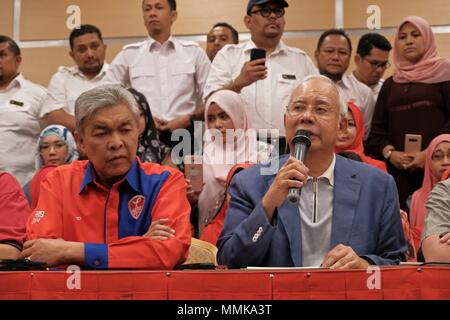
{"x":347,"y":217}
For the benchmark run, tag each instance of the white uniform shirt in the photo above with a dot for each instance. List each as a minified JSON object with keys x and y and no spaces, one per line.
{"x":266,"y":99}
{"x":170,"y":75}
{"x":21,"y":110}
{"x":316,"y":216}
{"x":376,"y":89}
{"x":361,"y":95}
{"x":67,"y":85}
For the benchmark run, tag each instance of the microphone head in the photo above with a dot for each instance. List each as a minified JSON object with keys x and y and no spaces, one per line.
{"x":302,"y":136}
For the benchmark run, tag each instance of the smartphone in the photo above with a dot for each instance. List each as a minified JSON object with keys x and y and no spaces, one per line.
{"x":413,"y":143}
{"x":193,"y":170}
{"x":257,"y":53}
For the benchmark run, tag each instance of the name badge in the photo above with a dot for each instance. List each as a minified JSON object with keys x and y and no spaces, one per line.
{"x":289,"y":76}
{"x":16,"y":103}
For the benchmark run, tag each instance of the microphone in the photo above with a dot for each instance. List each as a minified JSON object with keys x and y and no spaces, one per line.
{"x":302,"y":142}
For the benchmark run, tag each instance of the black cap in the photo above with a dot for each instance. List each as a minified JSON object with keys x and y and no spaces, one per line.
{"x":252,"y":3}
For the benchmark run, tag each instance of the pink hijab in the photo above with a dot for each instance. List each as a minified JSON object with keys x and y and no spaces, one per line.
{"x":245,"y":146}
{"x":431,"y":68}
{"x":419,"y":198}
{"x":216,"y":157}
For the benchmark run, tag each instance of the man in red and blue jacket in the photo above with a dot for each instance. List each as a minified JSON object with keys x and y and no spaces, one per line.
{"x":112,"y":211}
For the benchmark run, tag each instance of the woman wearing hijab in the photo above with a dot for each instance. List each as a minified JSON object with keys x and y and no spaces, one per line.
{"x":416,"y":100}
{"x":437,"y":161}
{"x":351,"y":140}
{"x":229,"y":139}
{"x":150,"y":148}
{"x":56,"y":146}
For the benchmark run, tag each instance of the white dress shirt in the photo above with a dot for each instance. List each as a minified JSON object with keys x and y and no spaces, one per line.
{"x":376,"y":88}
{"x":21,"y":111}
{"x":67,"y":84}
{"x":316,"y":213}
{"x":361,"y":95}
{"x":171,"y":75}
{"x":266,"y":99}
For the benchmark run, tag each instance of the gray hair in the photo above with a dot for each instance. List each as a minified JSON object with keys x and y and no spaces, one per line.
{"x":103,"y":97}
{"x":343,"y":108}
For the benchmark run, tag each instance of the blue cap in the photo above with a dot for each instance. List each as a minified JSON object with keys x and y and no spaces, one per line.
{"x":252,"y":3}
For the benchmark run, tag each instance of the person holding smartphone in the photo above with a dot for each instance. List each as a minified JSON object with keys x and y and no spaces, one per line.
{"x":266,"y":82}
{"x":415,"y":100}
{"x":229,"y":139}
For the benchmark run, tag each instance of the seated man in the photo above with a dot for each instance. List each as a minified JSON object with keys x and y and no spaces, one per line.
{"x":347,"y":216}
{"x":112,"y":211}
{"x":14,"y":212}
{"x":436,"y":232}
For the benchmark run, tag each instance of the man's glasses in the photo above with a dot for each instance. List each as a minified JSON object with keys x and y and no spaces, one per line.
{"x":378,"y":64}
{"x":266,"y":11}
{"x":297,"y":109}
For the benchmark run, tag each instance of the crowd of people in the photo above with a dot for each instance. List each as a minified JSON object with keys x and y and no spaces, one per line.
{"x":91,"y":172}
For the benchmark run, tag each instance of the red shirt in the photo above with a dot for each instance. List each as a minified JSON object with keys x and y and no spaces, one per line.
{"x":111,"y":222}
{"x":14,"y":211}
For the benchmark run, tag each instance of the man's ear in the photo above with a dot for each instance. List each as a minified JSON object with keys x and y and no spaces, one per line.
{"x":247,"y":21}
{"x":174,"y":16}
{"x":71,"y":54}
{"x":80,"y":142}
{"x":357,"y":59}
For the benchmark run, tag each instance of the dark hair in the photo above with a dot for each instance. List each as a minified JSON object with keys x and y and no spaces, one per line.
{"x":370,"y":41}
{"x":229,"y":26}
{"x":12,"y":44}
{"x":82,"y":30}
{"x":339,"y":32}
{"x":350,"y":155}
{"x":172,"y":4}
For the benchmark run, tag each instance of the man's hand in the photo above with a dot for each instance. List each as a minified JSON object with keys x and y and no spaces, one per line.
{"x":400,"y":160}
{"x":293,"y":174}
{"x":417,"y":160}
{"x":159,"y":123}
{"x":54,"y":252}
{"x":182,"y":122}
{"x":159,"y":231}
{"x":251,"y":71}
{"x":343,"y":257}
{"x":445,"y":239}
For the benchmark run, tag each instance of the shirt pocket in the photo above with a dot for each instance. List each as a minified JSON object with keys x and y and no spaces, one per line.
{"x":183,"y":77}
{"x":285,"y":85}
{"x":142,"y":79}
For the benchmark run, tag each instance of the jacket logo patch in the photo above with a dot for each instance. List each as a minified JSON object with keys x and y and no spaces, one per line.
{"x":136,"y":206}
{"x":38,"y":216}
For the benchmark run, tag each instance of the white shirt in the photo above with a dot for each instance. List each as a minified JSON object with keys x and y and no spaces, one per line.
{"x":170,"y":75}
{"x":67,"y":84}
{"x":376,"y":88}
{"x":266,"y":99}
{"x":361,"y":95}
{"x":21,"y":110}
{"x":316,"y":212}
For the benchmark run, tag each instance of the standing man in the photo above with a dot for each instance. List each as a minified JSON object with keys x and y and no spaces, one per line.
{"x":170,"y":73}
{"x":220,"y":35}
{"x":333,"y":53}
{"x":347,"y":217}
{"x":264,"y":84}
{"x":372,"y":60}
{"x":88,"y":52}
{"x":21,"y":114}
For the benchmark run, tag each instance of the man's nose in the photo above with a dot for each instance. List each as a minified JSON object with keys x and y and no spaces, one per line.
{"x":115,"y":142}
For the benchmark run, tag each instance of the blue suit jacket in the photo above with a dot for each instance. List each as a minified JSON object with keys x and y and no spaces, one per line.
{"x":366,"y":217}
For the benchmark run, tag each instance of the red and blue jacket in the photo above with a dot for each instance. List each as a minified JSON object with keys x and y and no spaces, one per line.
{"x":111,"y":222}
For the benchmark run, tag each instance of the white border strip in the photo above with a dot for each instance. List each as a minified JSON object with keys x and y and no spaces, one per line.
{"x":16,"y":20}
{"x":339,"y":12}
